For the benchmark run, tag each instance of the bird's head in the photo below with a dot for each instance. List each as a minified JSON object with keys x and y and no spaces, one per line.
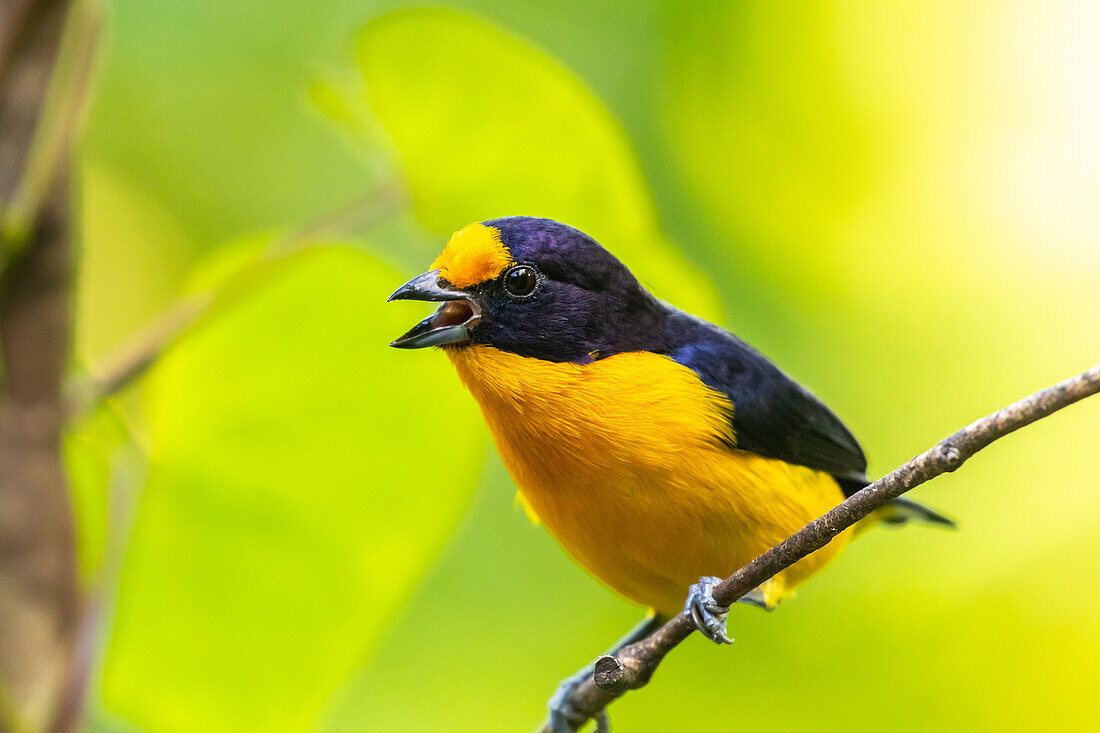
{"x":533,"y":287}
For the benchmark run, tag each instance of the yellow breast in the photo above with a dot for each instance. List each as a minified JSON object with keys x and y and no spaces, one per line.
{"x":627,"y":462}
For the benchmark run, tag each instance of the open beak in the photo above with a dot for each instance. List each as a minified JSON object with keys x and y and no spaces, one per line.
{"x":450,"y":324}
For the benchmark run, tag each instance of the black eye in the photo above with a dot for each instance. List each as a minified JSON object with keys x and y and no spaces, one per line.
{"x":521,"y":280}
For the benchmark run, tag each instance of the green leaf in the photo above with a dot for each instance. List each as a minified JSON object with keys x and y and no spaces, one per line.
{"x":97,"y":448}
{"x":488,"y":126}
{"x":132,"y":256}
{"x":303,"y":476}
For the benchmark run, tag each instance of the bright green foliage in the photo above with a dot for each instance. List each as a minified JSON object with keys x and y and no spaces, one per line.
{"x":486,"y":125}
{"x":202,"y":104}
{"x":292,"y":502}
{"x":105,"y":469}
{"x":133,"y":257}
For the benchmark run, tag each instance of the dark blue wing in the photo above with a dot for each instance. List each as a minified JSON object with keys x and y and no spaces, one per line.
{"x":773,"y":415}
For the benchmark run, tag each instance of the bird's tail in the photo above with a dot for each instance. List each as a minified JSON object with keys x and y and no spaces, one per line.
{"x":903,"y":511}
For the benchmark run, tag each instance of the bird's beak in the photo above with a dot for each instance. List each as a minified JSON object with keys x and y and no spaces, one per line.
{"x":450,"y":324}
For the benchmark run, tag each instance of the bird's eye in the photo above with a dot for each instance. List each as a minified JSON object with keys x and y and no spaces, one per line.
{"x":521,"y":280}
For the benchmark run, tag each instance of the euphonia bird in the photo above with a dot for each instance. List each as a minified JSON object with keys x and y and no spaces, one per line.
{"x":661,"y":451}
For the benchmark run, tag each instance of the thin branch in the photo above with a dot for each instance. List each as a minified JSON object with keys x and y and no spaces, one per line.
{"x":14,"y":20}
{"x":134,"y":358}
{"x":633,"y":666}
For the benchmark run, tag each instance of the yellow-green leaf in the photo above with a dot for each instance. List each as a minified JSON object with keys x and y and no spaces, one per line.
{"x":303,"y":476}
{"x":132,"y":255}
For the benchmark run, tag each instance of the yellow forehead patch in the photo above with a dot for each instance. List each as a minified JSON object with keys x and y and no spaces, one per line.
{"x":474,"y":254}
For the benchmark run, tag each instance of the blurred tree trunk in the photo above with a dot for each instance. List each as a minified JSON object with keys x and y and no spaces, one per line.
{"x":40,"y":604}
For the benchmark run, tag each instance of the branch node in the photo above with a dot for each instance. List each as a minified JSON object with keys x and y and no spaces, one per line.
{"x":950,"y":456}
{"x":609,"y":673}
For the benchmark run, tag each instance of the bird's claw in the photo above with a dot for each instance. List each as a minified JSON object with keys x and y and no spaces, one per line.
{"x":564,"y":718}
{"x":705,"y":613}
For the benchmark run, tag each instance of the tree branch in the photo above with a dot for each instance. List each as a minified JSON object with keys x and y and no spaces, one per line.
{"x":46,"y":47}
{"x":633,"y":666}
{"x":61,"y":116}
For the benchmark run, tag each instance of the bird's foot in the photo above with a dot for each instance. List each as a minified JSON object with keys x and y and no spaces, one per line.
{"x":705,"y":613}
{"x":564,"y":718}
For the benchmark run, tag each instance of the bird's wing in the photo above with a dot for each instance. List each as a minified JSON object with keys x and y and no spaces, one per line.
{"x":773,"y":415}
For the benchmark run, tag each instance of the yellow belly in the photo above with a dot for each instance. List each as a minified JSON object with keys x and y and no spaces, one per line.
{"x":623,"y":461}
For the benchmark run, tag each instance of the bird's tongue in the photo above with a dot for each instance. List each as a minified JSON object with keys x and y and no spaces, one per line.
{"x":453,"y":313}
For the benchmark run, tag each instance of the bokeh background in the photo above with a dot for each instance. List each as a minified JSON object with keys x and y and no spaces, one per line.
{"x":293,"y":527}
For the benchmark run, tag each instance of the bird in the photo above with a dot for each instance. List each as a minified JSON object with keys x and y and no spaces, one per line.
{"x":661,"y":451}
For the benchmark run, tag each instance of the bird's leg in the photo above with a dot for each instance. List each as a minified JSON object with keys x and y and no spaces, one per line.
{"x":563,"y":718}
{"x":705,"y":613}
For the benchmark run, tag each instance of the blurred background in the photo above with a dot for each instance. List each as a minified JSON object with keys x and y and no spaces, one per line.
{"x":292,"y":527}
